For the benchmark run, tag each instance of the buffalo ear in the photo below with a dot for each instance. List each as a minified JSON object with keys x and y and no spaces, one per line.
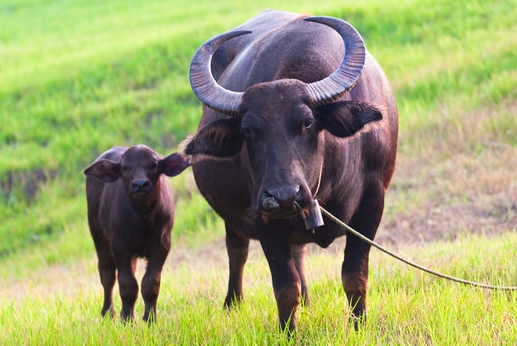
{"x":106,"y":170}
{"x":221,"y":138}
{"x":345,"y":118}
{"x":173,"y":164}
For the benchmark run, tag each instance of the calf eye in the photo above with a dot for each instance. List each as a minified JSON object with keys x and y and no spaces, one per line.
{"x":125,"y":169}
{"x":153,"y":165}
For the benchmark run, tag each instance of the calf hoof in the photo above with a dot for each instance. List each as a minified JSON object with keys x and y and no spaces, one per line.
{"x":232,"y":301}
{"x":357,"y":321}
{"x":109,"y":312}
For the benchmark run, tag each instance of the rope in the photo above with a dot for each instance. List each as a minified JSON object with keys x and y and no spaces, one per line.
{"x":429,"y":271}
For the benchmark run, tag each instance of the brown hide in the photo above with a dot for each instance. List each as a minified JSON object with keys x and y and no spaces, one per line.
{"x":277,"y":146}
{"x":131,"y":214}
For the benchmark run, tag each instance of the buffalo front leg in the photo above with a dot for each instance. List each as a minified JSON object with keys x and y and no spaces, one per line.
{"x":354,"y":274}
{"x":299,"y":252}
{"x":237,"y":248}
{"x":107,"y":271}
{"x":128,"y":288}
{"x":286,"y":281}
{"x":151,"y":283}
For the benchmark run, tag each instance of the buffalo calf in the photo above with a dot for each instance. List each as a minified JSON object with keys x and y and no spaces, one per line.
{"x":130,"y":214}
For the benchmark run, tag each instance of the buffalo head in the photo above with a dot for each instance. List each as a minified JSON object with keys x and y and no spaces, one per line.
{"x":139,"y":169}
{"x":281,"y":123}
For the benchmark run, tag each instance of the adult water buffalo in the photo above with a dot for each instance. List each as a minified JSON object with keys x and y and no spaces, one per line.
{"x":296,"y":113}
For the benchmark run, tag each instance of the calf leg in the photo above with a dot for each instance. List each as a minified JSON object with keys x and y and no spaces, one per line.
{"x":128,"y":287}
{"x":299,"y":252}
{"x":237,"y":248}
{"x":107,"y":272}
{"x":354,"y":273}
{"x":286,"y":281}
{"x":151,"y":282}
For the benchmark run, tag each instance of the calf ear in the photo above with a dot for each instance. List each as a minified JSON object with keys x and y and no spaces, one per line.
{"x":173,"y":164}
{"x":220,"y":138}
{"x":345,"y":118}
{"x":105,"y":170}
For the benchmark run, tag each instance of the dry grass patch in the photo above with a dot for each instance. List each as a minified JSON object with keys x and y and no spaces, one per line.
{"x":456,"y":175}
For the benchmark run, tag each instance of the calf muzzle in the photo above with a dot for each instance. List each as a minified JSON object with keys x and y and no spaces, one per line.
{"x":141,"y":186}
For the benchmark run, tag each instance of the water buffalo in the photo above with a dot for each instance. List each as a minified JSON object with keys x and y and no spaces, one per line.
{"x":131,"y":214}
{"x":296,"y":113}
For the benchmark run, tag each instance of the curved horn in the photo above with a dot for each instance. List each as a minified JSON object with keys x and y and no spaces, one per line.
{"x":202,"y":81}
{"x":344,"y":78}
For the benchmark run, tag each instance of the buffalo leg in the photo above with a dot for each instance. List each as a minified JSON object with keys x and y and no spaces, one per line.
{"x":107,"y":271}
{"x":105,"y":265}
{"x":151,"y":283}
{"x":354,"y":274}
{"x":286,"y":281}
{"x":299,"y":252}
{"x":128,"y":287}
{"x":237,"y":248}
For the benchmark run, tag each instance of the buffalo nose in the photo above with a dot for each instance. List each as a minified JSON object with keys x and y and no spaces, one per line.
{"x":140,"y":185}
{"x":278,"y":200}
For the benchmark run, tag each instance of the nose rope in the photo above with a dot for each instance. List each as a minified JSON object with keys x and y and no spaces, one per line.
{"x":298,"y":206}
{"x":312,"y":217}
{"x":413,"y":264}
{"x":319,"y":180}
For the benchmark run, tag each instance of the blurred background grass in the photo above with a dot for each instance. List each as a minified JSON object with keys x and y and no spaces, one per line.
{"x":81,"y":76}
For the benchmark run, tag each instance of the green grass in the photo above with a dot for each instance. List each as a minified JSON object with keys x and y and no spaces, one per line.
{"x":406,"y":307}
{"x":81,"y":76}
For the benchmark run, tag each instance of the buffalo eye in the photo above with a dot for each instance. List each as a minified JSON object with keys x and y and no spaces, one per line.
{"x":125,"y":169}
{"x":153,"y":165}
{"x":308,"y":122}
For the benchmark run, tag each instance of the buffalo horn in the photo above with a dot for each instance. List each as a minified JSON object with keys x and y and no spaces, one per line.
{"x":202,"y":81}
{"x":343,"y":79}
{"x":322,"y":92}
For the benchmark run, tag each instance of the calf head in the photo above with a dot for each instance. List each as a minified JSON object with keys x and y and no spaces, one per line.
{"x":281,"y":123}
{"x":139,"y":169}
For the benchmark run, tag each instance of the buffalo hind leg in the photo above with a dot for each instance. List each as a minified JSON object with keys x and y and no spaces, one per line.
{"x":151,"y":283}
{"x":237,"y":248}
{"x":299,"y":252}
{"x":285,"y":277}
{"x":354,"y":273}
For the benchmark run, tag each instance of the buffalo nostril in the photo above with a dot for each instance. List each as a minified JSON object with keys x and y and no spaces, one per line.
{"x":280,"y":199}
{"x":270,"y":203}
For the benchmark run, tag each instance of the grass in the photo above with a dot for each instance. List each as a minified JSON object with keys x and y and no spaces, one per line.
{"x":406,"y":307}
{"x":79,"y":77}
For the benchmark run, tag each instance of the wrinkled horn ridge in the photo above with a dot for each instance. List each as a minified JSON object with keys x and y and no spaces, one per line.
{"x":344,"y":78}
{"x":202,"y":81}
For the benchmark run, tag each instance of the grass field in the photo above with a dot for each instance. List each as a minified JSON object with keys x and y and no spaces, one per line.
{"x":79,"y":77}
{"x":61,"y":304}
